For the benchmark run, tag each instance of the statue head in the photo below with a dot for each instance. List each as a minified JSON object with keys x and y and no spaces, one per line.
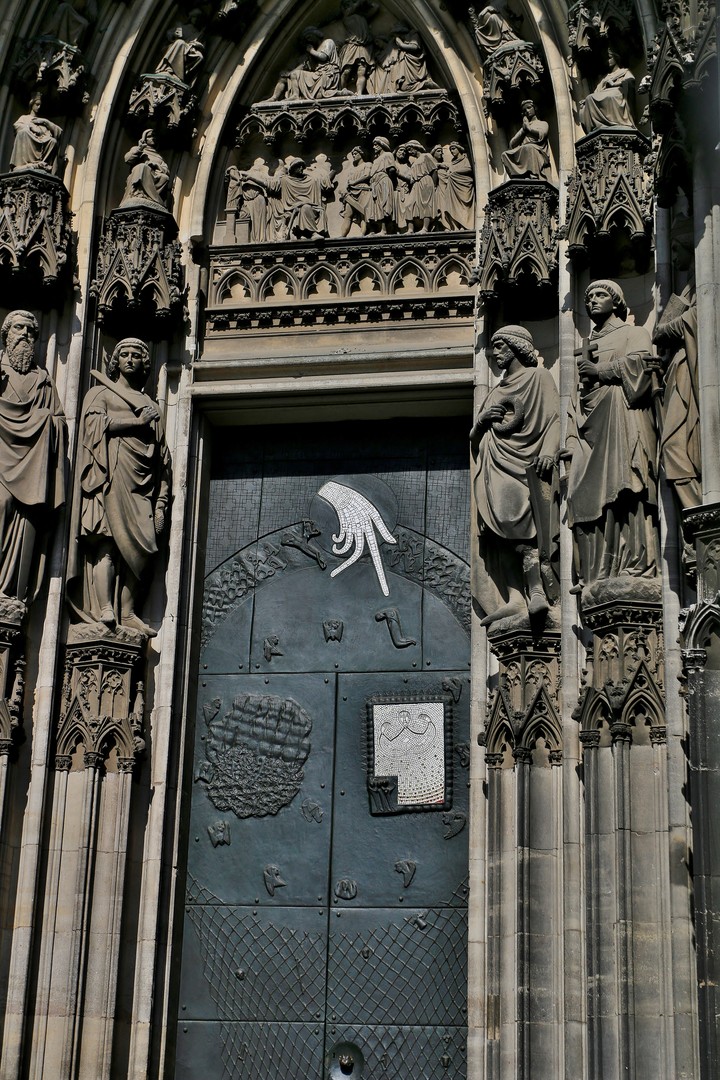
{"x":414,"y":148}
{"x":614,"y":290}
{"x":528,"y":107}
{"x":457,"y":150}
{"x":311,"y":35}
{"x":520,"y":341}
{"x":380,"y":145}
{"x":437,"y":152}
{"x":296,"y":166}
{"x":147,"y":138}
{"x":20,"y":331}
{"x":136,"y":344}
{"x":356,"y":154}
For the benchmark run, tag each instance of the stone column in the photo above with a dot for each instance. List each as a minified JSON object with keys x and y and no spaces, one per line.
{"x":98,"y":741}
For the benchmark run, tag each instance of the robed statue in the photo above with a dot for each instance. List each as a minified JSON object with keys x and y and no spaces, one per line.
{"x":33,"y":447}
{"x":124,"y":490}
{"x":612,"y":443}
{"x":515,"y":443}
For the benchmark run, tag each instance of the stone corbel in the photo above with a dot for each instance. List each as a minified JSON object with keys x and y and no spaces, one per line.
{"x":35,"y":234}
{"x":102,"y":700}
{"x":139,"y":269}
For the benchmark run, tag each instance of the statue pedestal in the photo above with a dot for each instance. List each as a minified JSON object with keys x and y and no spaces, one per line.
{"x":164,"y":101}
{"x":514,"y":66}
{"x":519,"y":237}
{"x":139,"y":269}
{"x":34,"y":226}
{"x":102,"y":700}
{"x":610,"y":191}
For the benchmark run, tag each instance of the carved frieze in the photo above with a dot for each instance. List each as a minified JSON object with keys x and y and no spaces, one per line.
{"x":525,"y":707}
{"x":343,"y":283}
{"x":139,"y":268}
{"x":519,"y":236}
{"x":102,"y":700}
{"x":35,"y":234}
{"x":610,"y":192}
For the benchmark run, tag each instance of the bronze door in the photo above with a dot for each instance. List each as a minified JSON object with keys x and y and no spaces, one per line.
{"x":326,"y":907}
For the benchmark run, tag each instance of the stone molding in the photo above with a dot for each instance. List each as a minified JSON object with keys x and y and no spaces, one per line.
{"x":519,"y":236}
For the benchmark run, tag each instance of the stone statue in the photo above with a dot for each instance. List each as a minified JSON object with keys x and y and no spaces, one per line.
{"x":124,"y":478}
{"x":319,"y":74}
{"x":356,"y":196}
{"x":612,"y":482}
{"x":514,"y":444}
{"x":456,"y":195}
{"x":610,"y":104}
{"x":248,"y":192}
{"x":150,"y":176}
{"x":528,"y":154}
{"x":300,"y":194}
{"x":676,"y":334}
{"x":383,"y":169}
{"x":420,"y":173}
{"x":68,"y":24}
{"x":33,"y":446}
{"x":181,"y":58}
{"x":403,"y":186}
{"x":356,"y":53}
{"x":491,"y":29}
{"x":400,"y":67}
{"x":36,"y":141}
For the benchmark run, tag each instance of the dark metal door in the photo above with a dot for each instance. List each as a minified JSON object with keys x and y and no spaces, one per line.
{"x":326,"y":909}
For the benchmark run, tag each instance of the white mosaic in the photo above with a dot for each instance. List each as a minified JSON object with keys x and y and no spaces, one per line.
{"x":409,"y":743}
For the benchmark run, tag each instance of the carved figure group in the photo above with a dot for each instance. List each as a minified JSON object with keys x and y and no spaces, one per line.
{"x":124,"y":480}
{"x":612,"y":442}
{"x":515,"y":443}
{"x":33,"y":438}
{"x":410,"y":189}
{"x":359,"y":63}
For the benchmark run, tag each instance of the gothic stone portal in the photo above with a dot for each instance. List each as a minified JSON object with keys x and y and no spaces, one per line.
{"x":326,"y":909}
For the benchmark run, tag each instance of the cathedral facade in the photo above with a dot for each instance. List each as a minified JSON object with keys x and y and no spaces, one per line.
{"x":359,"y":540}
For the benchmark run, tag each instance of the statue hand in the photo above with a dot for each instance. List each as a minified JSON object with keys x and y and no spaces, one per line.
{"x":148,"y":414}
{"x":544,"y":466}
{"x":494,"y":415}
{"x":587,"y":370}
